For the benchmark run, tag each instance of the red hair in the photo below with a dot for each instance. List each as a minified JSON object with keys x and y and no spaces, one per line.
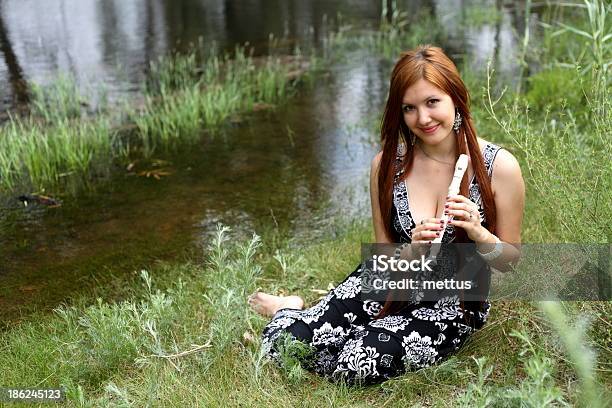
{"x":429,"y":63}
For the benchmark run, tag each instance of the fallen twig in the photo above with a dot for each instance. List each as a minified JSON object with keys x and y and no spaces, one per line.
{"x":195,"y":349}
{"x":169,"y":357}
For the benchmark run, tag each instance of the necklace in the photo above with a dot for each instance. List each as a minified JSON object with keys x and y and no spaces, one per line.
{"x":434,"y":159}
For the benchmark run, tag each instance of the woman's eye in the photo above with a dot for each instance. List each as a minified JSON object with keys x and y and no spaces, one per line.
{"x":433,"y":101}
{"x":407,"y":108}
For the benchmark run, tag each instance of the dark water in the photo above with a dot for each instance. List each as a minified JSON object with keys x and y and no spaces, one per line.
{"x":290,"y":167}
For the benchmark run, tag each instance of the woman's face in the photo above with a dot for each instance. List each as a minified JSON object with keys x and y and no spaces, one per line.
{"x":428,"y":112}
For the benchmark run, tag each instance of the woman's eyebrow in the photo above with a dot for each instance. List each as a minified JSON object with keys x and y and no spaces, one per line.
{"x":424,"y":100}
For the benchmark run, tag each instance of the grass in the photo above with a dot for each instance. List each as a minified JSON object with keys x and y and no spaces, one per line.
{"x":44,"y":154}
{"x":587,"y":40}
{"x":180,"y":340}
{"x":556,"y":157}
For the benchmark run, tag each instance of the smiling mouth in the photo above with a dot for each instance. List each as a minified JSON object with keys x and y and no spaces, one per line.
{"x":430,"y":129}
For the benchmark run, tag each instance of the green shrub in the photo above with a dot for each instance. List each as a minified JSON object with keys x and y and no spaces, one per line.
{"x":557,"y":89}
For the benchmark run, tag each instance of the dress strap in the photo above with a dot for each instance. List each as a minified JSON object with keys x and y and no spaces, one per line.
{"x":489,"y":153}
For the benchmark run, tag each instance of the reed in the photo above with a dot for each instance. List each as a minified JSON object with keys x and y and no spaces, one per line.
{"x":42,"y":155}
{"x":593,"y":37}
{"x":188,"y":98}
{"x":397,"y":31}
{"x":57,"y":101}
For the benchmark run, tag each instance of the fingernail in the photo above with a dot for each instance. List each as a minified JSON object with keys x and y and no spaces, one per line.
{"x":445,"y":205}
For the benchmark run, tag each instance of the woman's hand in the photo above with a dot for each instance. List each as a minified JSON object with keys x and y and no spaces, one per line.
{"x":465,"y":215}
{"x":424,"y":233}
{"x":427,"y":230}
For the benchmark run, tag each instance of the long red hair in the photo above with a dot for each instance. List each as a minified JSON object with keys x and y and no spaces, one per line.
{"x":429,"y":63}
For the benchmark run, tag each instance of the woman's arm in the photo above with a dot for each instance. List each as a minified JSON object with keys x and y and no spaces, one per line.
{"x":380,"y":234}
{"x":509,"y":195}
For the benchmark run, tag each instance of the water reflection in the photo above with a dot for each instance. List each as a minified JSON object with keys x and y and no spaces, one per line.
{"x":112,"y":41}
{"x":15,"y":74}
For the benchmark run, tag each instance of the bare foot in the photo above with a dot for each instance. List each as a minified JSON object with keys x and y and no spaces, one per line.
{"x":268,"y":305}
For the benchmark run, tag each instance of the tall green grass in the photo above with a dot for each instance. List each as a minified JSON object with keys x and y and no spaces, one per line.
{"x":58,"y":101}
{"x":559,"y":129}
{"x":42,"y":154}
{"x":585,"y":40}
{"x":565,"y":166}
{"x":188,"y":97}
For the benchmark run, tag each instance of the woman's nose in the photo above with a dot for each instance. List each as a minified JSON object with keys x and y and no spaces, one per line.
{"x":423,"y":118}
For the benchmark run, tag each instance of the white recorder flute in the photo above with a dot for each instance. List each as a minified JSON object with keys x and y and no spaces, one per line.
{"x":453,"y":189}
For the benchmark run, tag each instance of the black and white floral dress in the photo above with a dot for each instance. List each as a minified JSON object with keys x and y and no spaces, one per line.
{"x":350,"y":343}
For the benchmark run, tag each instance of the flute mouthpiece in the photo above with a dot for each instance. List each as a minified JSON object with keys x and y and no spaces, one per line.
{"x":460,"y":168}
{"x":461,"y":165}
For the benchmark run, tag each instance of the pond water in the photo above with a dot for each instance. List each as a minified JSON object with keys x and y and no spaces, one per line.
{"x":289,"y":167}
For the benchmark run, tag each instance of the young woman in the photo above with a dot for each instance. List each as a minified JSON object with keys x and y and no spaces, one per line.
{"x":425,"y":127}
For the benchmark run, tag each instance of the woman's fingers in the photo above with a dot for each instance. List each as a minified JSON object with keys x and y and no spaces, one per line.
{"x":427,"y":230}
{"x":464,"y":210}
{"x":429,"y":226}
{"x":459,"y":206}
{"x":430,"y":223}
{"x":428,"y":235}
{"x":463,"y":214}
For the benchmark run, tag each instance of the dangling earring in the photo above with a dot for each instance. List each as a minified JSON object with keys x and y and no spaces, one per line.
{"x":412,"y":137}
{"x":457,"y":121}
